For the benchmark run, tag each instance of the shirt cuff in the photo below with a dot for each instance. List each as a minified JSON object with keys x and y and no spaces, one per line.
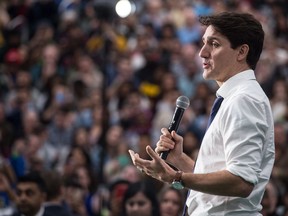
{"x":245,"y":172}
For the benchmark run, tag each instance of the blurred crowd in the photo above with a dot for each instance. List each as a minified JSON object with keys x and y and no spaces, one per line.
{"x":79,"y":86}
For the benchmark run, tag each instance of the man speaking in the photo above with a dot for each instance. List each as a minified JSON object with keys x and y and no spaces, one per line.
{"x":237,"y":153}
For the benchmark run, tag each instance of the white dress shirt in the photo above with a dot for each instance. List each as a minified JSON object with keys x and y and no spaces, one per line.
{"x":240,"y":140}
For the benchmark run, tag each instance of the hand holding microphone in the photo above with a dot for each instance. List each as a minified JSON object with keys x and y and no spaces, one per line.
{"x":182,"y":103}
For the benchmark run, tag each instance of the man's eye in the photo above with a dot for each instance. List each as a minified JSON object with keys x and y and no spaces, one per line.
{"x":214,"y":44}
{"x":29,"y":193}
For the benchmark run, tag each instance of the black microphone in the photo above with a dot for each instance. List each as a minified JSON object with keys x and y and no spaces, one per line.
{"x":182,"y":103}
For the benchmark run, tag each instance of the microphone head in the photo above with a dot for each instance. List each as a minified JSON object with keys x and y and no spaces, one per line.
{"x":183,"y":102}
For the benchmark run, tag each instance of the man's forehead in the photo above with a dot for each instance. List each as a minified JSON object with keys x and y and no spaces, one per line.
{"x":211,"y":32}
{"x":27,"y":185}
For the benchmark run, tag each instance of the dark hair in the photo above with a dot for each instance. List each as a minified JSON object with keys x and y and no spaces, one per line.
{"x":180,"y":193}
{"x":54,"y":183}
{"x":239,"y":28}
{"x":83,"y":151}
{"x":148,"y":190}
{"x":117,"y":182}
{"x":33,"y":177}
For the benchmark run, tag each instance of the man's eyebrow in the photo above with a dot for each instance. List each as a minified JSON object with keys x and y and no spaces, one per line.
{"x":209,"y":38}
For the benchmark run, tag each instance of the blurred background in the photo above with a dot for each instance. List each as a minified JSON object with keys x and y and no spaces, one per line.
{"x":83,"y":81}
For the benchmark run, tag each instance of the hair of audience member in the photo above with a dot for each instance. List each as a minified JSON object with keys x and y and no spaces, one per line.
{"x":54,"y":183}
{"x":149,"y":192}
{"x":33,"y":177}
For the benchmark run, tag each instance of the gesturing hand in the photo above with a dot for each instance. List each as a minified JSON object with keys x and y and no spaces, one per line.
{"x":156,"y":168}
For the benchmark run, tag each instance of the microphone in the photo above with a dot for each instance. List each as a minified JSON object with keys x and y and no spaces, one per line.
{"x":182,"y":103}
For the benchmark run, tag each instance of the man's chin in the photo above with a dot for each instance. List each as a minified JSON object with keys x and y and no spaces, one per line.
{"x":207,"y":74}
{"x":24,"y":209}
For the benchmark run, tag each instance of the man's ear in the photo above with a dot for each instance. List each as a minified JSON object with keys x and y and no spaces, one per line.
{"x":243,"y":52}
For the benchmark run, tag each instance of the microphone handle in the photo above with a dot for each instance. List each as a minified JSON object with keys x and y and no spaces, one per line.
{"x":174,"y":124}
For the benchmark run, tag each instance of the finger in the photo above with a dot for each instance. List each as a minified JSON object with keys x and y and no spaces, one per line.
{"x":140,"y":169}
{"x":135,"y":157}
{"x":166,"y":138}
{"x":162,"y":146}
{"x":152,"y":153}
{"x":165,"y":143}
{"x":177,"y":138}
{"x":160,"y":167}
{"x":132,"y":155}
{"x":137,"y":161}
{"x":165,"y":132}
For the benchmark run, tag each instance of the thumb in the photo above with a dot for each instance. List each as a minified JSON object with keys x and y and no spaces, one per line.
{"x":177,"y":138}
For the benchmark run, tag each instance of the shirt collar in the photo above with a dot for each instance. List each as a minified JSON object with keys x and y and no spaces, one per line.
{"x":233,"y":81}
{"x":39,"y":213}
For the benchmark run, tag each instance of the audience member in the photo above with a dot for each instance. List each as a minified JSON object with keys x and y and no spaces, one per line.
{"x":171,"y":202}
{"x":7,"y":183}
{"x":6,"y":131}
{"x":115,"y":200}
{"x":190,"y":32}
{"x":270,"y":200}
{"x":84,"y":175}
{"x":54,"y":203}
{"x":140,"y":199}
{"x":74,"y":197}
{"x":30,"y":195}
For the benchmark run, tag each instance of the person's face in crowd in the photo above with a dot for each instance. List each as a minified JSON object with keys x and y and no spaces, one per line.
{"x":131,"y":173}
{"x":50,"y":54}
{"x":78,"y":157}
{"x":114,"y":136}
{"x":74,"y":197}
{"x":220,"y":61}
{"x":138,"y":205}
{"x":83,"y":177}
{"x":170,"y":204}
{"x":116,"y":198}
{"x":29,"y":198}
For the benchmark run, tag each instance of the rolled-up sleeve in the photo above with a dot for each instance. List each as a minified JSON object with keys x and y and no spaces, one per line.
{"x":243,"y":127}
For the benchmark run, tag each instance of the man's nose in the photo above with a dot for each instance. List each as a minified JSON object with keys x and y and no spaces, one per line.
{"x":21,"y":195}
{"x":204,"y":53}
